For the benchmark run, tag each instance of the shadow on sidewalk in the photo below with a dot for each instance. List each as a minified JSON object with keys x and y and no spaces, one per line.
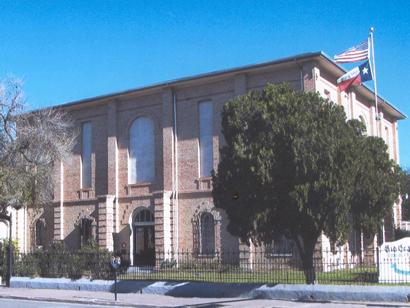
{"x":215,"y":304}
{"x":187,"y":289}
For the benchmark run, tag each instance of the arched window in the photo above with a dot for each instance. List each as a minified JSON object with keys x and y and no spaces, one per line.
{"x":141,"y":161}
{"x":207,"y":234}
{"x":40,"y":232}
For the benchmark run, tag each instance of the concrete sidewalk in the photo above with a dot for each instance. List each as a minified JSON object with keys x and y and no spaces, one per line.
{"x":151,"y":300}
{"x":107,"y":298}
{"x":187,"y":289}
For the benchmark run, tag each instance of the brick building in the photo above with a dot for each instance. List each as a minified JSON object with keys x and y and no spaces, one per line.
{"x":138,"y":180}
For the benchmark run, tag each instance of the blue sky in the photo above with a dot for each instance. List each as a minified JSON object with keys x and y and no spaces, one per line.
{"x":69,"y":50}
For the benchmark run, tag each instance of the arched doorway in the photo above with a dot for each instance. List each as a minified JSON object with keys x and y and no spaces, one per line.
{"x":143,"y":230}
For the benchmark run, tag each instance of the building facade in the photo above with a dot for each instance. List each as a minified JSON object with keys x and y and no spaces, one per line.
{"x":138,"y":181}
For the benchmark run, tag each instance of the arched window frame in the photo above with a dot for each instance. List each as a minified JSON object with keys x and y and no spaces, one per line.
{"x":199,"y":247}
{"x":132,"y":222}
{"x":207,"y":234}
{"x":146,"y":173}
{"x":144,"y":217}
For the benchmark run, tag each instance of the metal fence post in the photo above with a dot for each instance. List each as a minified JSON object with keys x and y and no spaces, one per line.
{"x":377,"y":262}
{"x":10,"y":256}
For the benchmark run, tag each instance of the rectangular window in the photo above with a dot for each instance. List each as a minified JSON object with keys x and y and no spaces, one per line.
{"x":86,"y":155}
{"x":205,"y":139}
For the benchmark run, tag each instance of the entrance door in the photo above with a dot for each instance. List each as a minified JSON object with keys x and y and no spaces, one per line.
{"x":144,"y":239}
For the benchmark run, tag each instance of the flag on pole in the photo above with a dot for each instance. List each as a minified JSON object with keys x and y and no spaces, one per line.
{"x":355,"y":76}
{"x":354,"y":54}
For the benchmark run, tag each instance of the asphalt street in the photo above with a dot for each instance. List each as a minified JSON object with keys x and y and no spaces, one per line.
{"x":19,"y":303}
{"x":241,"y":303}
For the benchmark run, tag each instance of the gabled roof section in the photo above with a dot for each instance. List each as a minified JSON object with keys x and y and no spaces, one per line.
{"x":323,"y":61}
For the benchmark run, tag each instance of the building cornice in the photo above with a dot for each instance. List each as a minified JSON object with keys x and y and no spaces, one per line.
{"x":320,"y":59}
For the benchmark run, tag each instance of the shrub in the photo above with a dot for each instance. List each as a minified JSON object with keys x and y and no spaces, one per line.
{"x":96,"y":261}
{"x":26,"y":265}
{"x":57,"y":261}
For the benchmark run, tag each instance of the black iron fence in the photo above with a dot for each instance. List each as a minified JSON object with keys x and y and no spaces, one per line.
{"x":331,"y":267}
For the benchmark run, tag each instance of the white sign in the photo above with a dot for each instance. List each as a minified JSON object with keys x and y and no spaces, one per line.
{"x":394,"y":261}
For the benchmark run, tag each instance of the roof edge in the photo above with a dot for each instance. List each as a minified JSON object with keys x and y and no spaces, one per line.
{"x":174,"y":82}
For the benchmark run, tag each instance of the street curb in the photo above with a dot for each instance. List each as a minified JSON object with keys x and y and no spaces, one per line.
{"x":333,"y":293}
{"x":224,"y":290}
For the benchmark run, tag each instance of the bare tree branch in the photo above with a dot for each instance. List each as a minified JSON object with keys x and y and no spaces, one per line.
{"x":30,"y":143}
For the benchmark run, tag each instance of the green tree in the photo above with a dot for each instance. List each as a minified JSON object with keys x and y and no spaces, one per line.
{"x":405,"y":206}
{"x":292,"y":165}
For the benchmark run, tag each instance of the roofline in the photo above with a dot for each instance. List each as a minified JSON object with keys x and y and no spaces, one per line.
{"x":174,"y":82}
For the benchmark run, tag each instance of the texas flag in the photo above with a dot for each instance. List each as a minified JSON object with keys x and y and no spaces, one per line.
{"x":355,"y":76}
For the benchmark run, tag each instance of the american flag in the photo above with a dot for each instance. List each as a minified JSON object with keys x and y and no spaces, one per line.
{"x":354,"y":54}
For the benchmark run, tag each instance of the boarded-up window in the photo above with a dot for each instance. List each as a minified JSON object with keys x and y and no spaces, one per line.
{"x":141,"y":162}
{"x":86,"y":150}
{"x":205,"y":139}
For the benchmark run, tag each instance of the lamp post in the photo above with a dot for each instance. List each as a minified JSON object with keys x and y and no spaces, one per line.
{"x":10,"y":258}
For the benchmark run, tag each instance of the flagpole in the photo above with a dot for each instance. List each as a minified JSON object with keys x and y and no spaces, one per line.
{"x":376,"y":105}
{"x":374,"y":79}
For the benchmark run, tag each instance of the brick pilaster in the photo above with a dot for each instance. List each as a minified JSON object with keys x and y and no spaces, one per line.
{"x":106,"y":221}
{"x":112,"y":155}
{"x":167,"y":139}
{"x":57,"y":222}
